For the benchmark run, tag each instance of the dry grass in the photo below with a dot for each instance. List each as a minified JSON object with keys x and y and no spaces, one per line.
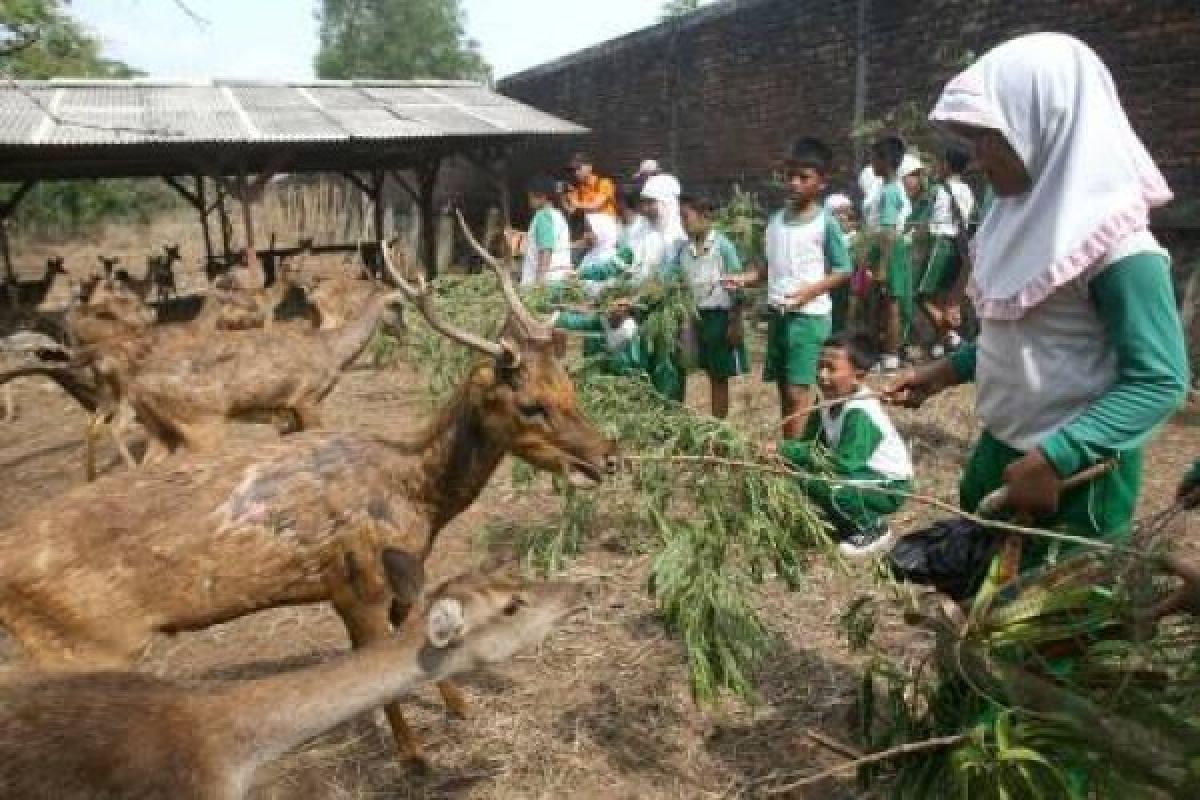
{"x":601,"y":710}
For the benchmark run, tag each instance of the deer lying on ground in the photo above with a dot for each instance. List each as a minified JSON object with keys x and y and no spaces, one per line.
{"x":119,"y":734}
{"x":205,"y":539}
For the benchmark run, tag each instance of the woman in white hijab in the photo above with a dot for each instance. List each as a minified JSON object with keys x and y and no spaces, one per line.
{"x":1081,"y":354}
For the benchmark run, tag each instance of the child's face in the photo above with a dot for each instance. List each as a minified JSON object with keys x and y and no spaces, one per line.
{"x":836,"y":374}
{"x":583,"y":172}
{"x":805,"y":185}
{"x":649,"y":209}
{"x":913,"y":183}
{"x":847,"y":219}
{"x":997,"y":160}
{"x":695,"y":222}
{"x":537,"y":200}
{"x":880,"y":166}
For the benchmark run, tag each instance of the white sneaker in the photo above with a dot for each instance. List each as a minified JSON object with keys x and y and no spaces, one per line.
{"x":953,"y":341}
{"x":867,"y":544}
{"x":890,"y":363}
{"x":937,"y":351}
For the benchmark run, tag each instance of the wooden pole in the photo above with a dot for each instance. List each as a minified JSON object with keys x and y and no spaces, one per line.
{"x":226,"y":225}
{"x":201,"y":191}
{"x":246,"y":198}
{"x":6,"y":210}
{"x":427,"y":177}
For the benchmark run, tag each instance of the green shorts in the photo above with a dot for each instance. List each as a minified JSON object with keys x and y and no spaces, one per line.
{"x":899,"y":282}
{"x":942,"y":267}
{"x":714,"y":354}
{"x":794,"y":344}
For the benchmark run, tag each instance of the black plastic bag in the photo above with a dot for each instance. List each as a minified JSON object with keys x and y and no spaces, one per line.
{"x":953,"y":556}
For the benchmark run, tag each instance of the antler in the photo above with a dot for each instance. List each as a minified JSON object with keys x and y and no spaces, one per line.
{"x":533,"y":327}
{"x":421,"y":296}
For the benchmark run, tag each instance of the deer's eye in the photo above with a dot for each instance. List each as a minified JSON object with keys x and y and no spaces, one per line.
{"x":532,"y":410}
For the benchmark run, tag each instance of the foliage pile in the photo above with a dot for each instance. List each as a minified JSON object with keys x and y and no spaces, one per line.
{"x":714,"y":532}
{"x":1065,"y":685}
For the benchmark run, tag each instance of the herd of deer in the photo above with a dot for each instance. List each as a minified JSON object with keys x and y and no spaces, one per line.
{"x":230,"y":527}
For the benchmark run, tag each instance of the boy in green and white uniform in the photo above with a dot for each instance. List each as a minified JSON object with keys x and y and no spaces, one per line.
{"x":842,"y":209}
{"x":855,"y":443}
{"x":953,"y":205}
{"x":614,"y":332}
{"x":706,"y":262}
{"x":889,"y":255}
{"x":548,"y":243}
{"x":806,"y":260}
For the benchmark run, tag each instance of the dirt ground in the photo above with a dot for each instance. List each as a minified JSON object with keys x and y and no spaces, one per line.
{"x":602,"y":709}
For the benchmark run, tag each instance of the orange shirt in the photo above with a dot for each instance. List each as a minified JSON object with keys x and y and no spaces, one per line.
{"x":596,"y":189}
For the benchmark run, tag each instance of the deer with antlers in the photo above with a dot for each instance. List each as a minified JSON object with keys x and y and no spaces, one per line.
{"x":205,"y":539}
{"x":82,"y":736}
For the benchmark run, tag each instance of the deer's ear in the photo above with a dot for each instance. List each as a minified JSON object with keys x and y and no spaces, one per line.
{"x":405,"y":574}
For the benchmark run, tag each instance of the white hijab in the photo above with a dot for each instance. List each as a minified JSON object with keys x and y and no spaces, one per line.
{"x":1093,"y":181}
{"x":604,"y":227}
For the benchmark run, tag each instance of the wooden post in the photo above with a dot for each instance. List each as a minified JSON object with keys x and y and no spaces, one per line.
{"x":427,"y":175}
{"x":6,"y":210}
{"x":201,"y":191}
{"x":226,"y":225}
{"x":246,"y":199}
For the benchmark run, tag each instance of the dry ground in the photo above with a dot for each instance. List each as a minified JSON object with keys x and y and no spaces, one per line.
{"x":602,"y":710}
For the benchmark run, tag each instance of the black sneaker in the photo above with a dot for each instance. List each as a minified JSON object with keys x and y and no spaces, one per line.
{"x":867,"y":544}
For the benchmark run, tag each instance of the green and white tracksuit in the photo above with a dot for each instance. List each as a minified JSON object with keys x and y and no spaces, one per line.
{"x":859,"y":448}
{"x":1088,"y":375}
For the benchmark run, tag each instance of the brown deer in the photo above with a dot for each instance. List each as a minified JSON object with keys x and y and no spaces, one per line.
{"x":33,"y":294}
{"x":119,"y":734}
{"x":201,"y":540}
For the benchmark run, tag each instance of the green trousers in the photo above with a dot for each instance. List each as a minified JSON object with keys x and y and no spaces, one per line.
{"x":855,"y":507}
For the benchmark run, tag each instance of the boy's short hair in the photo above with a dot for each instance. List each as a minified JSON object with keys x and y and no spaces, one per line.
{"x":890,"y":150}
{"x":859,"y":347}
{"x":810,"y":153}
{"x":702,"y":205}
{"x":957,"y":159}
{"x":543,"y":185}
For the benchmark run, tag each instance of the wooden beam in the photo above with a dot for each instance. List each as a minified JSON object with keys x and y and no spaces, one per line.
{"x":427,"y":176}
{"x":10,"y":276}
{"x":357,"y":182}
{"x":10,"y":205}
{"x":203,"y":208}
{"x":184,"y":192}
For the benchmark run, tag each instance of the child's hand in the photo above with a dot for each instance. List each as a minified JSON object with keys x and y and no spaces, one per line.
{"x":732,"y":282}
{"x":771,"y":449}
{"x":1033,"y":485}
{"x":799,"y":298}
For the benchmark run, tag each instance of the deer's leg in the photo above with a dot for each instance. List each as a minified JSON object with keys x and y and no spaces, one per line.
{"x":90,"y":435}
{"x":308,"y":417}
{"x":119,"y":428}
{"x":368,"y":622}
{"x":10,"y":404}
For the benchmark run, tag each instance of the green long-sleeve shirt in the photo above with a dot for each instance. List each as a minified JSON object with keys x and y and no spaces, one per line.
{"x":859,"y":440}
{"x":1137,"y":304}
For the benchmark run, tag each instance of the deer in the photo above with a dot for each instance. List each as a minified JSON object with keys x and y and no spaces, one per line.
{"x":206,"y":538}
{"x":34,"y":293}
{"x":80,"y":736}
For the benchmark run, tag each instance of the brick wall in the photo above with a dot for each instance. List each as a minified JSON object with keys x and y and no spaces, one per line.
{"x":718,"y":95}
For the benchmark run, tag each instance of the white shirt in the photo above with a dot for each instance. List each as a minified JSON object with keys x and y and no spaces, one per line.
{"x":560,"y":258}
{"x":942,"y":221}
{"x":703,"y":268}
{"x":796,"y":259}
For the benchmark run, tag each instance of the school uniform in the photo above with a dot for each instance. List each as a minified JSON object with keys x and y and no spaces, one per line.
{"x":944,"y":261}
{"x":1081,"y":353}
{"x":703,"y":266}
{"x":800,"y":253}
{"x":891,"y":211}
{"x":620,"y":347}
{"x":855,"y":442}
{"x":548,"y":230}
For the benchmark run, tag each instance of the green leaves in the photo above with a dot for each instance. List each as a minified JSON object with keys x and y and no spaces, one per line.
{"x":397,"y":39}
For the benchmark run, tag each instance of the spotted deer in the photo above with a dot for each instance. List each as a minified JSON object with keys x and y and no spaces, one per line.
{"x":204,"y":539}
{"x":80,"y":736}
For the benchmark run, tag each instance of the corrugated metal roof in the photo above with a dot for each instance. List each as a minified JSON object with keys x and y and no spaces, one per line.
{"x":76,"y":112}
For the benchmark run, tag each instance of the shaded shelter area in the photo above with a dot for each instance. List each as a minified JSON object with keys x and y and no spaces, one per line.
{"x":219,"y":141}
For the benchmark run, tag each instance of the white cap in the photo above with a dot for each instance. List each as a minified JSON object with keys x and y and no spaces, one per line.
{"x":838,"y":201}
{"x":909,"y":165}
{"x":648,"y":167}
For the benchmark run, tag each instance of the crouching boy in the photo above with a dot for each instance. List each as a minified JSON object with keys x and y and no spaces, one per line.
{"x":850,"y":439}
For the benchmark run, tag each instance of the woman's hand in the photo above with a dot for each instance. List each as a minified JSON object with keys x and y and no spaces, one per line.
{"x":1033,"y":486}
{"x":912,"y":387}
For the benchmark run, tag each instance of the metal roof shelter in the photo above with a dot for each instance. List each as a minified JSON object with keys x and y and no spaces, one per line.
{"x":227,"y":138}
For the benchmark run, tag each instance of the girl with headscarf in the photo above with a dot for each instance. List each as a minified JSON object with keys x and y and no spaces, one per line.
{"x":1081,"y":354}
